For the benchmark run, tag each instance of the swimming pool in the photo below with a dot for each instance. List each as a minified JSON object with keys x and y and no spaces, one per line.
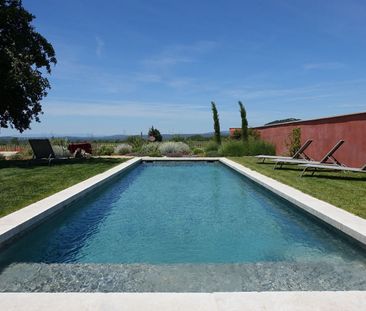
{"x":182,"y":227}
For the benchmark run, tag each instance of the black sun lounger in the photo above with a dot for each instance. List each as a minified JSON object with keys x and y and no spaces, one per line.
{"x":42,"y":150}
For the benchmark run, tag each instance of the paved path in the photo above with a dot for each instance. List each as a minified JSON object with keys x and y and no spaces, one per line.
{"x":291,"y":301}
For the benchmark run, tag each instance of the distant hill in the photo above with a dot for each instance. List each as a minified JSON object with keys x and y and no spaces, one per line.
{"x":283,"y":121}
{"x":76,"y":138}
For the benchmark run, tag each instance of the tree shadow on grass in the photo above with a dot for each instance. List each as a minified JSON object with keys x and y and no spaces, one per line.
{"x":289,"y":168}
{"x":29,"y":164}
{"x":321,"y":175}
{"x":278,"y":168}
{"x":265,"y":163}
{"x":341,"y":176}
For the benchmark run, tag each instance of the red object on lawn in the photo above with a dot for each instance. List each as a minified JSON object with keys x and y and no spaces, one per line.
{"x":85,"y":146}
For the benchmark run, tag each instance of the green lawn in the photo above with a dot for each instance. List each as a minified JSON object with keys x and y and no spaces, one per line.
{"x":22,"y":184}
{"x":345,"y":190}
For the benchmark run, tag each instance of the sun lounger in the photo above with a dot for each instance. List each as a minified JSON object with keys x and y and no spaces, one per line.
{"x":314,"y":167}
{"x":42,"y":150}
{"x":300,"y":154}
{"x":328,"y":157}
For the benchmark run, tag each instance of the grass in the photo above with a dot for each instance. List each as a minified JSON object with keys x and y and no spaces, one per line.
{"x":22,"y":184}
{"x":344,"y":190}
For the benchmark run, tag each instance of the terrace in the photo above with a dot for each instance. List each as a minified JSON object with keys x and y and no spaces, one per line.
{"x":119,"y":188}
{"x":43,"y":182}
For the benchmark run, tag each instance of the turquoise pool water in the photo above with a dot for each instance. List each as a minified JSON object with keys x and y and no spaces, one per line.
{"x":183,"y":217}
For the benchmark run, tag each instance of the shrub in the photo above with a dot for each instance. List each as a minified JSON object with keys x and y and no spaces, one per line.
{"x":135,"y":141}
{"x":177,"y":138}
{"x":59,"y":141}
{"x":155,"y":154}
{"x":60,"y":151}
{"x":176,"y":148}
{"x":234,"y":149}
{"x":105,"y":150}
{"x":2,"y":157}
{"x":212,"y":153}
{"x":212,"y":146}
{"x":249,"y":148}
{"x":27,"y":152}
{"x":197,"y":137}
{"x":236,"y":135}
{"x":123,"y":149}
{"x":257,"y":146}
{"x":16,"y":156}
{"x":197,"y":151}
{"x":150,"y":149}
{"x":254,"y":133}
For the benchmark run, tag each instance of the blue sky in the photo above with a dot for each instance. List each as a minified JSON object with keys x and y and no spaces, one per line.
{"x":126,"y":65}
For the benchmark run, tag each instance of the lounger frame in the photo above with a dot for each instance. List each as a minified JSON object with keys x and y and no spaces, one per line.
{"x":328,"y":156}
{"x":299,"y":154}
{"x":316,"y":167}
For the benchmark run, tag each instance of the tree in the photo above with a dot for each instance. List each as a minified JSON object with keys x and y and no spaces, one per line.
{"x":244,"y":122}
{"x":283,"y":121}
{"x":25,"y":56}
{"x":294,"y":141}
{"x":216,"y":123}
{"x":236,"y":134}
{"x":153,"y":132}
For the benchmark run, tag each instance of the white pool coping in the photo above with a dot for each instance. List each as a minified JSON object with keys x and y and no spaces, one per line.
{"x":31,"y":215}
{"x":23,"y":219}
{"x":248,"y":301}
{"x":16,"y":222}
{"x":338,"y":218}
{"x":180,"y":159}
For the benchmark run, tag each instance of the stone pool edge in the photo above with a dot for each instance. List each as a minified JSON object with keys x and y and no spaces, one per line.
{"x":289,"y":300}
{"x":346,"y":222}
{"x":236,"y":301}
{"x":17,"y":222}
{"x":21,"y":220}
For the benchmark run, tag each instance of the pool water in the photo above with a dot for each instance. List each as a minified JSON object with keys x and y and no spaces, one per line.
{"x":182,"y":217}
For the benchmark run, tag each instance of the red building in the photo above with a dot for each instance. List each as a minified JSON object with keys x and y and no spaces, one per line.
{"x":324,"y":132}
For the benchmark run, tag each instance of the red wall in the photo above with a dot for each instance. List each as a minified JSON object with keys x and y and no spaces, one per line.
{"x":325,"y":133}
{"x":233,"y":129}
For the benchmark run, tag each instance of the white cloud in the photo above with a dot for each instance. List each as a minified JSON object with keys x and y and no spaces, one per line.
{"x":126,"y":109}
{"x":324,"y":66}
{"x":278,"y":94}
{"x":167,"y":60}
{"x":178,"y":54}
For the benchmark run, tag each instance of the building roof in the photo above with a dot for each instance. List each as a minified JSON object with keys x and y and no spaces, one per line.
{"x":351,"y":115}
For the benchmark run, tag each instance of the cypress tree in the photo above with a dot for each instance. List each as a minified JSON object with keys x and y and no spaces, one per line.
{"x":244,"y":122}
{"x":216,"y":123}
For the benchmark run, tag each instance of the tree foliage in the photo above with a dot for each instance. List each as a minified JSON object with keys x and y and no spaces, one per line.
{"x":25,"y":56}
{"x":244,"y":122}
{"x":283,"y":121}
{"x":216,"y":123}
{"x":153,"y":132}
{"x":236,"y":134}
{"x":294,"y":141}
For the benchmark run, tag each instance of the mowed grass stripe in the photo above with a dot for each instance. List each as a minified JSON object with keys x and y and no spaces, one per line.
{"x":22,"y":184}
{"x":344,"y":190}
